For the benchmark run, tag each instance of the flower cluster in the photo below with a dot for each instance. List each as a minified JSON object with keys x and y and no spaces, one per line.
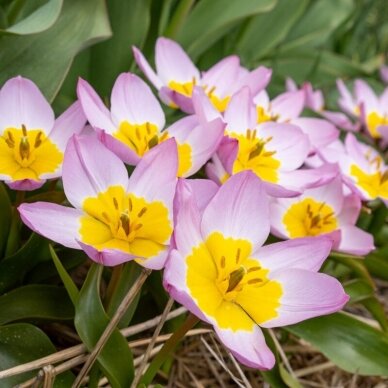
{"x":269,"y":168}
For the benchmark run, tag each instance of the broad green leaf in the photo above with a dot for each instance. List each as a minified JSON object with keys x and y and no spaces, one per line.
{"x":130,"y":21}
{"x":6,"y":218}
{"x":211,"y":19}
{"x":90,"y":322}
{"x":14,"y":268}
{"x":21,"y":343}
{"x":376,"y":309}
{"x":318,"y":23}
{"x":377,"y":263}
{"x":40,"y":20}
{"x":352,"y":345}
{"x":46,"y":57}
{"x":265,"y":31}
{"x":291,"y":381}
{"x":178,"y":18}
{"x":68,"y":282}
{"x":37,"y":302}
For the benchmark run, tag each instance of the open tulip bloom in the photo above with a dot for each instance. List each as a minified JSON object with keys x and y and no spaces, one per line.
{"x":114,"y":219}
{"x":371,"y":109}
{"x":32,"y":142}
{"x":221,"y":272}
{"x":135,"y":123}
{"x":273,"y":151}
{"x":322,"y":211}
{"x":176,"y":76}
{"x":364,"y":170}
{"x":287,"y":108}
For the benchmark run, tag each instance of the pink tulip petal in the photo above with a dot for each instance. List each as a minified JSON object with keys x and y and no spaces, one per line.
{"x":126,"y":154}
{"x":96,"y":112}
{"x":306,"y":295}
{"x":248,"y":347}
{"x":257,"y":80}
{"x":288,"y":105}
{"x":288,"y":141}
{"x":355,"y":241}
{"x":154,"y":178}
{"x":70,"y":122}
{"x":227,"y":153}
{"x":55,"y":222}
{"x":350,"y":210}
{"x":22,"y":103}
{"x":172,"y":63}
{"x":346,"y":100}
{"x":240,"y":113}
{"x":146,"y":68}
{"x":221,"y":75}
{"x":365,"y":95}
{"x":89,"y":168}
{"x":133,"y":101}
{"x":320,"y":132}
{"x":239,"y":210}
{"x":23,"y":184}
{"x":304,"y":253}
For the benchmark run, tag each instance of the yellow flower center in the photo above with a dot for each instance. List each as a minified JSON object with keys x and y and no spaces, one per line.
{"x":309,"y":218}
{"x":142,"y":137}
{"x":186,"y":89}
{"x":117,"y":220}
{"x":229,"y":285}
{"x":27,"y":154}
{"x":264,"y":116}
{"x":252,"y":155}
{"x":139,"y":137}
{"x":373,"y":121}
{"x":376,"y":184}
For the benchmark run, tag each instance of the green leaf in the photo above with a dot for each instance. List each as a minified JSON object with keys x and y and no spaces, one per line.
{"x":377,"y":263}
{"x":14,"y":268}
{"x":352,"y":345}
{"x":6,"y":218}
{"x":291,"y":381}
{"x":37,"y":302}
{"x":21,"y":343}
{"x":211,"y":19}
{"x":265,"y":31}
{"x":90,"y":322}
{"x":130,"y":21}
{"x":358,"y":290}
{"x":70,"y":286}
{"x":80,"y":24}
{"x":40,"y":20}
{"x":318,"y":23}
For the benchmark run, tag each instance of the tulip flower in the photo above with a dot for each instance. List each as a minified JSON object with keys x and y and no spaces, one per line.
{"x":220,"y":271}
{"x":364,"y":170}
{"x":32,"y":142}
{"x":371,"y":109}
{"x":135,"y":124}
{"x":114,"y":219}
{"x":287,"y":108}
{"x":324,"y":210}
{"x":273,"y":151}
{"x":176,"y":76}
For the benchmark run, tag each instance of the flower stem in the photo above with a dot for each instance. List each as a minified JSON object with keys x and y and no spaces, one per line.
{"x":167,"y":348}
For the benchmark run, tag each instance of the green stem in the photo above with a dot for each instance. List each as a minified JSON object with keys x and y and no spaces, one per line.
{"x":113,"y":283}
{"x":167,"y":348}
{"x":179,"y":18}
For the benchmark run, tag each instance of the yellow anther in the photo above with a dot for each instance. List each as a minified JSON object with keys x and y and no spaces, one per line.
{"x":141,"y":212}
{"x":125,"y":224}
{"x":235,"y":278}
{"x":24,"y":148}
{"x":38,"y":140}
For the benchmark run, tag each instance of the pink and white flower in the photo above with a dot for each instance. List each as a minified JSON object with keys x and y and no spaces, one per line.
{"x":366,"y":106}
{"x":324,"y":210}
{"x":364,"y":170}
{"x":32,"y":142}
{"x":176,"y":76}
{"x":221,"y":272}
{"x":135,"y":123}
{"x":287,"y":108}
{"x":273,"y":151}
{"x":114,"y":219}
